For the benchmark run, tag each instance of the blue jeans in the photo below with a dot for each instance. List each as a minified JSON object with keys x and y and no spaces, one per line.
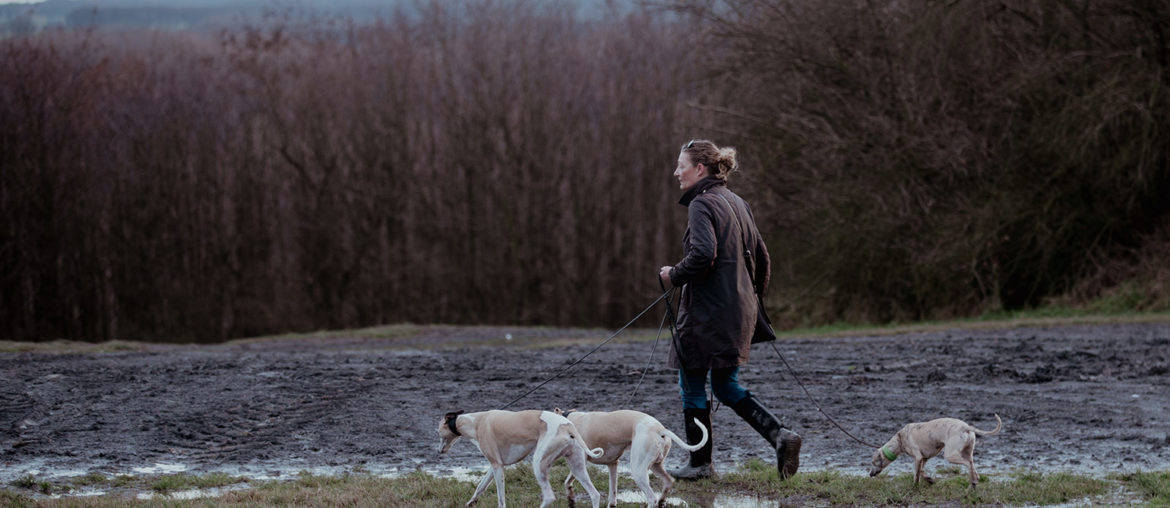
{"x":724,"y":382}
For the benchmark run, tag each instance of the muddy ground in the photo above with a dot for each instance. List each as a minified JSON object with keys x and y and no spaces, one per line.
{"x":1088,"y":399}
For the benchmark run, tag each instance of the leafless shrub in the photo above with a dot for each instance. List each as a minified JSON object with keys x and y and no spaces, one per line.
{"x":480,"y":162}
{"x":931,"y":159}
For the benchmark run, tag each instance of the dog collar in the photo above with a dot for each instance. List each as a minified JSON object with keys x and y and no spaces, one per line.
{"x":451,"y":417}
{"x":890,"y":456}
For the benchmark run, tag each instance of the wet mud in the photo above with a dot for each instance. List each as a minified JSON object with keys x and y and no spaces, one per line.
{"x":1087,"y":399}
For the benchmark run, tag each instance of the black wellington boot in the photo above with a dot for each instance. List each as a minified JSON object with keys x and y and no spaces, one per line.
{"x":786,"y":442}
{"x":700,"y":464}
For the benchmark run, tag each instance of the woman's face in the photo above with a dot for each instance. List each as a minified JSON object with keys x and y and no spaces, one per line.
{"x":688,"y":174}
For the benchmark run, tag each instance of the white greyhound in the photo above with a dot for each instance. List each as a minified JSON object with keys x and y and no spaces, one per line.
{"x":507,"y":437}
{"x":954,"y":438}
{"x":646,"y":438}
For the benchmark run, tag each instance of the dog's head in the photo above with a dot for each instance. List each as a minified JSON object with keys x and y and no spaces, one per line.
{"x":564,"y":412}
{"x":448,"y":433}
{"x":882,"y":457}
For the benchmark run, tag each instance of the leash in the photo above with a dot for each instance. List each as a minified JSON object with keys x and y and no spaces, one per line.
{"x":586,"y":355}
{"x":645,"y":369}
{"x":814,"y":402}
{"x":792,"y":372}
{"x":677,"y":347}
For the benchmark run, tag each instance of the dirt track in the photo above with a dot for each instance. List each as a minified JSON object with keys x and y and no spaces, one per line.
{"x":1090,"y":399}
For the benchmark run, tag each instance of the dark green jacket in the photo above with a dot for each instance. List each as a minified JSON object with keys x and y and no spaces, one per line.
{"x":718,"y":306}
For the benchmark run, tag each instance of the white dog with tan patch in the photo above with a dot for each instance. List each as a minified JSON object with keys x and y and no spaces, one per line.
{"x":647,"y":439}
{"x":954,"y":438}
{"x":507,"y":437}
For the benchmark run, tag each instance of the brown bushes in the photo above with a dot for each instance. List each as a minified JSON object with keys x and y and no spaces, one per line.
{"x":505,"y":162}
{"x":933,"y":159}
{"x":501,"y":162}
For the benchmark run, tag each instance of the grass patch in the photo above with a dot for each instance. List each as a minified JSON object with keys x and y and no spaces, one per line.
{"x":950,"y":487}
{"x":90,"y":479}
{"x":124,"y":481}
{"x":70,"y":347}
{"x":357,"y":490}
{"x":1154,"y":487}
{"x":29,"y":490}
{"x":183,"y":481}
{"x":1047,"y":316}
{"x":14,"y":499}
{"x":30,"y":482}
{"x":411,"y":336}
{"x":531,"y":337}
{"x":378,"y":332}
{"x":755,"y":481}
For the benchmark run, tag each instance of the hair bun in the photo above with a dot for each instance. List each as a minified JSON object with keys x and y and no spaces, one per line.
{"x":727,"y":162}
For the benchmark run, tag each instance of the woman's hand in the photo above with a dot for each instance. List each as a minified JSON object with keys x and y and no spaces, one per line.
{"x":664,"y":274}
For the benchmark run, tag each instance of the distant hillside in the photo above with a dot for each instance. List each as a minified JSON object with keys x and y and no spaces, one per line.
{"x":18,"y":19}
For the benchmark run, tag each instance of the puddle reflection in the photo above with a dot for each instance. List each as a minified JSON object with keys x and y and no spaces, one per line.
{"x":701,"y":500}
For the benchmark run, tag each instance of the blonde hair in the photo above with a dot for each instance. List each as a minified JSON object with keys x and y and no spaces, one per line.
{"x":720,"y":162}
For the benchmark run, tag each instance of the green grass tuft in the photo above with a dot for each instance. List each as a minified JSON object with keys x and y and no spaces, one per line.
{"x":14,"y":499}
{"x":89,"y":479}
{"x":184,"y":481}
{"x":950,"y":486}
{"x":25,"y":482}
{"x":753,"y":483}
{"x":1153,"y":486}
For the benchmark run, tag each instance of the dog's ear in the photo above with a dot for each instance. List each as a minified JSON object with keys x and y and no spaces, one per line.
{"x":452,"y":414}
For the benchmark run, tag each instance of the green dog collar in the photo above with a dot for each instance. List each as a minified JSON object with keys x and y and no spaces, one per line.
{"x":890,"y":456}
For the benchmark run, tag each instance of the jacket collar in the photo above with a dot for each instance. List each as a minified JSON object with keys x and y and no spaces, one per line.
{"x":698,"y":188}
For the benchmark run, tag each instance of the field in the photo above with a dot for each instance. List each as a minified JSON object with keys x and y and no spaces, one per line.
{"x":1078,"y":399}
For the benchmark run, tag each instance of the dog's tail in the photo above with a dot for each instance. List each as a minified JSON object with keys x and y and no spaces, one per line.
{"x":683,"y":444}
{"x":592,"y":452}
{"x":998,"y":426}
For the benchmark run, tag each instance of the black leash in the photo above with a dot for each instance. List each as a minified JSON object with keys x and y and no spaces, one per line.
{"x":792,"y":372}
{"x":811,"y":399}
{"x":646,"y":369}
{"x":594,"y":350}
{"x":677,"y":347}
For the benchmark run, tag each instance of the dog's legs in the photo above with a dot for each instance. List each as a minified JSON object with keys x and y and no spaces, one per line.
{"x":642,"y":479}
{"x":569,"y":488}
{"x":656,"y":466}
{"x":612,"y":485}
{"x":576,"y":459}
{"x":540,"y":467}
{"x":971,"y":471}
{"x":641,"y":459}
{"x":667,"y":481}
{"x":487,"y":478}
{"x":964,"y":457}
{"x":500,"y":485}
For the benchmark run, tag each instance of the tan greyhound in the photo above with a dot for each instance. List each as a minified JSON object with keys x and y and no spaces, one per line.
{"x":646,"y":438}
{"x":507,"y":437}
{"x":923,"y":440}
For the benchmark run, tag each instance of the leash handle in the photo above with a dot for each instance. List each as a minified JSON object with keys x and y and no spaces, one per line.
{"x":669,"y":305}
{"x":673,"y":326}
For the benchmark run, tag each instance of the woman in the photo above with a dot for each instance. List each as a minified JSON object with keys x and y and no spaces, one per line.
{"x":725,"y":264}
